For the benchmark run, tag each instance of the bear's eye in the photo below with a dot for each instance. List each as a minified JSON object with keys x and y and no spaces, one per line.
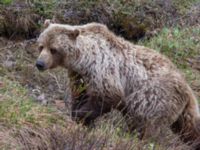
{"x":40,"y":48}
{"x":53,"y":50}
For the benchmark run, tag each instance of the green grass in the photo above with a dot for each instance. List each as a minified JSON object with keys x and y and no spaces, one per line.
{"x":178,"y":44}
{"x":17,"y":108}
{"x":6,"y":2}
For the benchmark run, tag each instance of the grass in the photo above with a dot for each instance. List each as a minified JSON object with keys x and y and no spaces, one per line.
{"x":17,"y":108}
{"x":6,"y":2}
{"x":178,"y":44}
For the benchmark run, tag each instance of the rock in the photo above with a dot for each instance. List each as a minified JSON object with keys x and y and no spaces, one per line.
{"x":60,"y":104}
{"x":41,"y":97}
{"x":36,"y":91}
{"x":45,"y":102}
{"x":9,"y":64}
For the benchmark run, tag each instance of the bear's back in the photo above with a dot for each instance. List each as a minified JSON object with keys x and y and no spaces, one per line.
{"x":155,"y":63}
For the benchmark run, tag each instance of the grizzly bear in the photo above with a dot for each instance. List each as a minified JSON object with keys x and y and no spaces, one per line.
{"x":140,"y":82}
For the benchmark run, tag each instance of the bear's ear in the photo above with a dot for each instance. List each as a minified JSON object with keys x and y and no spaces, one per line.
{"x":74,"y":34}
{"x":47,"y":22}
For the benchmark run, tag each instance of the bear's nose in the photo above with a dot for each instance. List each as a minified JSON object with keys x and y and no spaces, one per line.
{"x":40,"y":65}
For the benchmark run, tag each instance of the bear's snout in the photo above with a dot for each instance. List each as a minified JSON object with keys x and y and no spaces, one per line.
{"x":40,"y":65}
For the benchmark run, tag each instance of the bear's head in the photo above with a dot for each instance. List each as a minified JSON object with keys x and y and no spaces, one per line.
{"x":56,"y":45}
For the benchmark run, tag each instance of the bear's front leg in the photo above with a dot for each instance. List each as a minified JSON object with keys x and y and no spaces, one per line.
{"x":86,"y":108}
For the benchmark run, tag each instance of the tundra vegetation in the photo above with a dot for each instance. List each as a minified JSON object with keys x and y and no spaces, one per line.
{"x":33,"y":114}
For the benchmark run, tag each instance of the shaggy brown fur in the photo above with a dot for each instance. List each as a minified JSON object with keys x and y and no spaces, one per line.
{"x":86,"y":109}
{"x":125,"y":76}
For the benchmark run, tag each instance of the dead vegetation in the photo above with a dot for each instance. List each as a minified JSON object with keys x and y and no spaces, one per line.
{"x":18,"y":21}
{"x":29,"y":138}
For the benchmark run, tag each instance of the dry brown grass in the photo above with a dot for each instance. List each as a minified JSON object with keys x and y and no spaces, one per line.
{"x":18,"y":20}
{"x":74,"y":137}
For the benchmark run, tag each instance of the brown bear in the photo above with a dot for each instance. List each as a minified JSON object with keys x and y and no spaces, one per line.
{"x":136,"y":80}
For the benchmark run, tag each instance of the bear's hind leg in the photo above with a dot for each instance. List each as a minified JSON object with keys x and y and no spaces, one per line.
{"x":153,"y":115}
